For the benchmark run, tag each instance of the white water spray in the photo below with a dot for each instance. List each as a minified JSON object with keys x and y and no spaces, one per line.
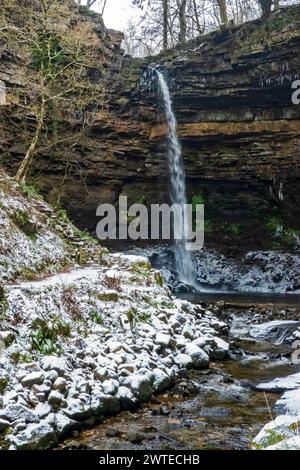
{"x":183,"y":258}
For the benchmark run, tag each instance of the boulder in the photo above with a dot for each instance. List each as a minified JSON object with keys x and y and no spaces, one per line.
{"x":35,"y":437}
{"x":42,"y":410}
{"x":3,"y":380}
{"x":127,"y":400}
{"x":7,"y":337}
{"x":163,"y":339}
{"x":199,"y":358}
{"x":101,"y":373}
{"x":60,"y":384}
{"x":56,"y":399}
{"x":141,"y":387}
{"x":162,"y":380}
{"x":76,"y":410}
{"x":35,"y":378}
{"x":64,"y":425}
{"x":184,"y":361}
{"x":220,"y":349}
{"x":110,"y":387}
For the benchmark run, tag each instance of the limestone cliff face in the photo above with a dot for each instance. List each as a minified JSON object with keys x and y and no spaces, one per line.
{"x":240,"y":132}
{"x":232,"y":93}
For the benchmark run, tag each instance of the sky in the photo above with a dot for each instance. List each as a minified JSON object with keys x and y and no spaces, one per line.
{"x":117,"y":13}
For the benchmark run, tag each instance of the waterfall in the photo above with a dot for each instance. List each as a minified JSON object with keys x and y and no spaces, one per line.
{"x":280,"y":193}
{"x":183,"y":258}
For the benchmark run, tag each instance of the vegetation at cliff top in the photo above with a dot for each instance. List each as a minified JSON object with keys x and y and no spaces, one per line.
{"x":165,"y":23}
{"x":57,"y":53}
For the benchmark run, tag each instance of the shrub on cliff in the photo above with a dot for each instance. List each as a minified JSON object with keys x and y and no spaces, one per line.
{"x":58,"y":51}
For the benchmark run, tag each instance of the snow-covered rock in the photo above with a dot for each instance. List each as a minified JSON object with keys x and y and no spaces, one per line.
{"x":54,"y":363}
{"x":110,"y":387}
{"x":184,"y":361}
{"x":84,"y":343}
{"x":220,"y":348}
{"x":141,"y":387}
{"x":200,"y":359}
{"x":163,"y":339}
{"x":283,"y":429}
{"x":161,"y":381}
{"x":15,"y":412}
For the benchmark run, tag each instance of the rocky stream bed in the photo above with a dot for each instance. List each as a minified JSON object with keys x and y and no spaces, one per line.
{"x":223,"y":407}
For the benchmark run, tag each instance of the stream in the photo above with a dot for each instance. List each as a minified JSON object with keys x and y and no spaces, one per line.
{"x":214,"y":409}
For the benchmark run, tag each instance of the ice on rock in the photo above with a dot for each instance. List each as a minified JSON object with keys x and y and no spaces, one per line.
{"x":161,"y":381}
{"x":281,"y":384}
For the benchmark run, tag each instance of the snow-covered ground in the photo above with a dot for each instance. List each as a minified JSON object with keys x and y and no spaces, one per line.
{"x":88,"y":341}
{"x":282,"y":432}
{"x":84,"y":333}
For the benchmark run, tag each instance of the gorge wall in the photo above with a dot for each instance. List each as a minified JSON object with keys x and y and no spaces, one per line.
{"x":239,"y":130}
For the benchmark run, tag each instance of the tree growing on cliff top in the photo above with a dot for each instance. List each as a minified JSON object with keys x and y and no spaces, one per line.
{"x":165,"y":23}
{"x":58,"y":53}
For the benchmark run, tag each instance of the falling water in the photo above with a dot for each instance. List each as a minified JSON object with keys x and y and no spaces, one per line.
{"x":183,"y":259}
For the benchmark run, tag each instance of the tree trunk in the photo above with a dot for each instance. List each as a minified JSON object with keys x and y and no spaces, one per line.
{"x":199,"y":28}
{"x":165,"y":27}
{"x":223,"y":11}
{"x":26,"y":163}
{"x":266,"y":7}
{"x":276,"y":5}
{"x":182,"y":20}
{"x":103,"y":7}
{"x":90,"y":3}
